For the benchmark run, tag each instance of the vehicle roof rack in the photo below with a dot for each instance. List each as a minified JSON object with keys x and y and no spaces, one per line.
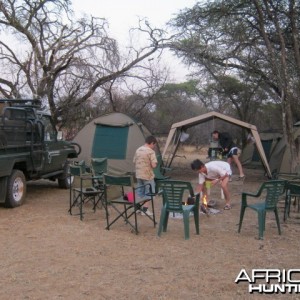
{"x":36,"y":103}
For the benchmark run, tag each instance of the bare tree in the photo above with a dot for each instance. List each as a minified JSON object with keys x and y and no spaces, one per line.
{"x":49,"y":55}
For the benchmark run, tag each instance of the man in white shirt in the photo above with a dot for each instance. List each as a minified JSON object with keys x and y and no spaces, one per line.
{"x":214,"y":172}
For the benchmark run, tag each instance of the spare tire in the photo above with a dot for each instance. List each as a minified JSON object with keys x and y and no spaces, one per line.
{"x":65,"y":180}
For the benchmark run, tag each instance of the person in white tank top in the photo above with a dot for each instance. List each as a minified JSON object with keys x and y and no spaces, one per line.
{"x":215,"y":172}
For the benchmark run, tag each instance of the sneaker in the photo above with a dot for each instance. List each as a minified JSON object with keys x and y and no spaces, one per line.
{"x":147,"y":212}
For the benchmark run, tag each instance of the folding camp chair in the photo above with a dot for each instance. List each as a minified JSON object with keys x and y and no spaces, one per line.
{"x":98,"y":168}
{"x":173,"y":192}
{"x":271,"y":191}
{"x":126,"y":208}
{"x":82,"y":188}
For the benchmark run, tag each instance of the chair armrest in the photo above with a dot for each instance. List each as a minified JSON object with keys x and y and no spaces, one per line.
{"x":250,"y":194}
{"x":257,"y":194}
{"x":247,"y":194}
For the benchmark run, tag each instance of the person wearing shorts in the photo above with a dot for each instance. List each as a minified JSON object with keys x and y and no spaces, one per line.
{"x":229,"y":149}
{"x":215,"y":172}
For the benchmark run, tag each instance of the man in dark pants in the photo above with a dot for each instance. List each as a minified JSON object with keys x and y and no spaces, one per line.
{"x":229,"y":149}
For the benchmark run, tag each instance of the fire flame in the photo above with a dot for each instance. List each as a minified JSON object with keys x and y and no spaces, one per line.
{"x":204,"y":200}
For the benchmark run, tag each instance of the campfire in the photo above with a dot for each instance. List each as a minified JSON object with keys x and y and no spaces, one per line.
{"x":203,"y":206}
{"x":206,"y":207}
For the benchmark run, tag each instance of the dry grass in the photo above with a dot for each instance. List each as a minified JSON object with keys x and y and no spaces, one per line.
{"x":48,"y":254}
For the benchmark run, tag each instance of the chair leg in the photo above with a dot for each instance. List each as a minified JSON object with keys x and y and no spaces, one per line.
{"x":162,"y":220}
{"x":99,"y":202}
{"x":277,"y":220}
{"x":186,"y":221}
{"x":243,"y":208}
{"x":196,"y":220}
{"x":286,"y":206}
{"x":261,"y":225}
{"x":106,"y":214}
{"x":71,"y":202}
{"x":289,"y":206}
{"x":70,"y":199}
{"x":135,"y":221}
{"x":166,"y":220}
{"x":264,"y":221}
{"x":154,"y":222}
{"x":81,"y":207}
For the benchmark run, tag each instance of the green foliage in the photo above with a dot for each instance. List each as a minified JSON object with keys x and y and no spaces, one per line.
{"x":246,"y":52}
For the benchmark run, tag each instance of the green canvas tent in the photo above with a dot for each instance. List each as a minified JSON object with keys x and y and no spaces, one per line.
{"x":250,"y":157}
{"x":115,"y":136}
{"x":277,"y":151}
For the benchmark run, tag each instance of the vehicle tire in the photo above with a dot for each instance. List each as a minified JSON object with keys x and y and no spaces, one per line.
{"x":65,"y":180}
{"x":78,"y":146}
{"x":16,"y":189}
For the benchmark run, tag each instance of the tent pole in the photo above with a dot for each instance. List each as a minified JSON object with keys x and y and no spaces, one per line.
{"x":261,"y":151}
{"x":176,"y":148}
{"x":172,"y":153}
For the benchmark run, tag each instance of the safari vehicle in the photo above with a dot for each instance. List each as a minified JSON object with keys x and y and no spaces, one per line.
{"x":30,"y":149}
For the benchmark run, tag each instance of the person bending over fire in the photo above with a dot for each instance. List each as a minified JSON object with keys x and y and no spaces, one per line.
{"x":215,"y":172}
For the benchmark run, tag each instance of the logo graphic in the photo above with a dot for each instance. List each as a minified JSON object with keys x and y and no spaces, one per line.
{"x":271,"y":281}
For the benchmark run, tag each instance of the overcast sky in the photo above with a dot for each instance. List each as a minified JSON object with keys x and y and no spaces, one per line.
{"x":124,"y":14}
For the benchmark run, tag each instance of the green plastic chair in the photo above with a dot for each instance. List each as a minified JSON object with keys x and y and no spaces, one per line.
{"x":271,"y":190}
{"x":292,"y":191}
{"x":173,"y":193}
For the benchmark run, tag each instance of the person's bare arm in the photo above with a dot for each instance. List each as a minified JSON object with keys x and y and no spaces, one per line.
{"x":154,"y":165}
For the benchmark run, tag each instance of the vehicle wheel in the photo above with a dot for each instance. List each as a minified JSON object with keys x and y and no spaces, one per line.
{"x":16,"y":189}
{"x":78,"y":146}
{"x":64,"y":181}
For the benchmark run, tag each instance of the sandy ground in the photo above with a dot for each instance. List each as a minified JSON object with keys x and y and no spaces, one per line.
{"x":48,"y":254}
